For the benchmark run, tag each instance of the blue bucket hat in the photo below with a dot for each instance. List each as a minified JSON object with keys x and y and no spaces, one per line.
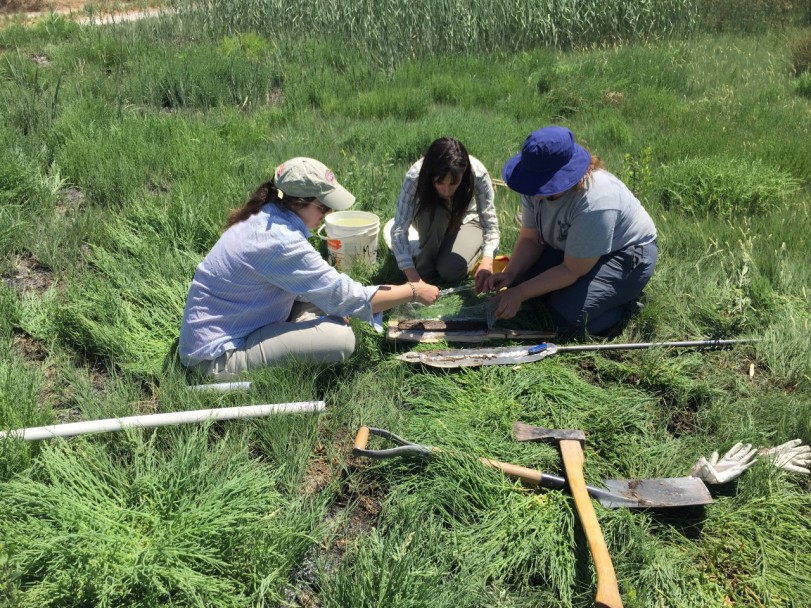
{"x":549,"y":163}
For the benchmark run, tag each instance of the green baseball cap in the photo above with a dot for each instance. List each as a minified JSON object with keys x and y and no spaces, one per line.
{"x":306,"y":177}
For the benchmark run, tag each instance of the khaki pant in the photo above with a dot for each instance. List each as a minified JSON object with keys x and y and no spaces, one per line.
{"x":446,"y":258}
{"x":307,"y":335}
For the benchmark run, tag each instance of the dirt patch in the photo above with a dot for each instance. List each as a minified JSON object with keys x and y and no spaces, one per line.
{"x":69,"y":200}
{"x":30,"y":348}
{"x":682,"y":422}
{"x":318,"y":476}
{"x":28,"y":275}
{"x":353,"y":514}
{"x":42,"y":6}
{"x":349,"y":518}
{"x":22,"y":5}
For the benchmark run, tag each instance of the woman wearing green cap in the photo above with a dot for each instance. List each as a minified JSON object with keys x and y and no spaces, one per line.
{"x":586,"y":243}
{"x":263,"y":293}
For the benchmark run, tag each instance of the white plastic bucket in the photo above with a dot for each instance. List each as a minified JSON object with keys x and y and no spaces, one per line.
{"x":351,"y":235}
{"x":413,"y":238}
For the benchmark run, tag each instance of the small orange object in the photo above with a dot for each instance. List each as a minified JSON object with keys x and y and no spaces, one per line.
{"x":499,"y":264}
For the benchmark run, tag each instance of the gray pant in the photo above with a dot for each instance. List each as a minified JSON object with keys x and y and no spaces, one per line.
{"x":307,"y":335}
{"x":446,"y":258}
{"x":596,"y":300}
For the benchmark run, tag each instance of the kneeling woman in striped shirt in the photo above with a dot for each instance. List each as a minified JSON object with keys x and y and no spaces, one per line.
{"x":264,"y":294}
{"x":448,"y":197}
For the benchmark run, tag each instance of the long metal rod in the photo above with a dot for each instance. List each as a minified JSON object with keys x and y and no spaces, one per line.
{"x":637,"y":345}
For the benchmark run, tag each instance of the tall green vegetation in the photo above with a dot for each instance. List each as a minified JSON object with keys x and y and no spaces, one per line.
{"x":391,"y":30}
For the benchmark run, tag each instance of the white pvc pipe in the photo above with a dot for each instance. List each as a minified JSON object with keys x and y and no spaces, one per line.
{"x":154,"y":420}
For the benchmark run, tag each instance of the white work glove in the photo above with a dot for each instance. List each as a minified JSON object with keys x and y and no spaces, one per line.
{"x":740,"y":457}
{"x":789,"y":456}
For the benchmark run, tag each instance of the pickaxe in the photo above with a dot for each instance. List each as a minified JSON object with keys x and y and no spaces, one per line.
{"x":570,"y":443}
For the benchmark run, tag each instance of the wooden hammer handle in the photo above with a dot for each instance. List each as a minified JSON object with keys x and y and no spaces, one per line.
{"x":608,"y":593}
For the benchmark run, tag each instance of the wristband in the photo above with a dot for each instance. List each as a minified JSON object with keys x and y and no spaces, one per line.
{"x":413,"y":291}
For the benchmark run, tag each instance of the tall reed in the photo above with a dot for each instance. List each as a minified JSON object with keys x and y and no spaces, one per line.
{"x":389,"y":31}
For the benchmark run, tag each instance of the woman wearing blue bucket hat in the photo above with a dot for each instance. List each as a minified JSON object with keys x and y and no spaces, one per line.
{"x":586,"y":243}
{"x":263,"y":294}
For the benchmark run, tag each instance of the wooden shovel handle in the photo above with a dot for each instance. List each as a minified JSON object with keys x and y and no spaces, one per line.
{"x":530,"y":476}
{"x":362,"y":438}
{"x":608,"y":593}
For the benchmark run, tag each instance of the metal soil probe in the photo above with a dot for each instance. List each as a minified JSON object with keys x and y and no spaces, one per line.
{"x":512,"y":355}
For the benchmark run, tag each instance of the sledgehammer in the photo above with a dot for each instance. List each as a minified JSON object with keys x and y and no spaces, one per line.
{"x":570,"y":443}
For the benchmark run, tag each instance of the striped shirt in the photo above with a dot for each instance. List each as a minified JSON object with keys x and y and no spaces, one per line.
{"x":481,"y":206}
{"x":251,"y":278}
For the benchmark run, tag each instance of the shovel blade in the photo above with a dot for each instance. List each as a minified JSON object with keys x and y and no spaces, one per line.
{"x":655,"y":493}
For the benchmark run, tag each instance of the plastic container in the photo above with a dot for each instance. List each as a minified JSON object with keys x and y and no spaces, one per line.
{"x":351,"y":235}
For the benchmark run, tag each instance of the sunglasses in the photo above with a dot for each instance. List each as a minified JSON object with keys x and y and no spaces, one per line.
{"x":321,"y":207}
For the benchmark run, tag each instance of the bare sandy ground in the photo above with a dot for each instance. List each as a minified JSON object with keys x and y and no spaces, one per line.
{"x":102,"y":12}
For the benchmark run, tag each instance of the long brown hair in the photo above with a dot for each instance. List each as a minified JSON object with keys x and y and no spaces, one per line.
{"x":264,"y":194}
{"x":445,"y":156}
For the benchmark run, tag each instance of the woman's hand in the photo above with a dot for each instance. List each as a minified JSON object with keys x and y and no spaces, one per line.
{"x":508,"y":302}
{"x":483,"y":272}
{"x":498,"y":281}
{"x":427,"y":294}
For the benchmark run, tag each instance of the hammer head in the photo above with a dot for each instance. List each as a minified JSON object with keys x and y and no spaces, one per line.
{"x":526,"y":432}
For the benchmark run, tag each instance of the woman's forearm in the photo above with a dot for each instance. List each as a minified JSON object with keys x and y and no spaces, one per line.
{"x":525,"y":252}
{"x":389,"y":296}
{"x":548,"y":281}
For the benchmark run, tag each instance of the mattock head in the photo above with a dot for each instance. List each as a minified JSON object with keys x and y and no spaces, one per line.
{"x":527,"y":432}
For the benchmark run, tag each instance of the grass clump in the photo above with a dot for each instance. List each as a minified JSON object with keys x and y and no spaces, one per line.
{"x":801,"y":56}
{"x":747,"y":15}
{"x":20,"y":390}
{"x":9,"y":312}
{"x":25,"y":191}
{"x":776,"y":517}
{"x":150,"y":522}
{"x":801,"y":66}
{"x":724,"y":187}
{"x":401,"y":566}
{"x":802,"y":85}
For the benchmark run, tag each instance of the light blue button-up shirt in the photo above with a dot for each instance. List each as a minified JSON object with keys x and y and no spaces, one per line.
{"x":251,"y":278}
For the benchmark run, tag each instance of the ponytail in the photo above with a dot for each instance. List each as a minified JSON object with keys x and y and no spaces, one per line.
{"x":264,"y":194}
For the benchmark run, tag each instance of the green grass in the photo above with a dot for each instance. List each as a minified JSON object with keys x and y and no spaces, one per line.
{"x":191,"y":522}
{"x":123,"y":150}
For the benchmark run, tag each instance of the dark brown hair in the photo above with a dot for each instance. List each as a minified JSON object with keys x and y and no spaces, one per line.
{"x":445,"y":156}
{"x":264,"y":194}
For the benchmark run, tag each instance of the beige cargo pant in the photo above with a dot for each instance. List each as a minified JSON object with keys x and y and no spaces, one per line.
{"x":446,"y":258}
{"x":307,"y":335}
